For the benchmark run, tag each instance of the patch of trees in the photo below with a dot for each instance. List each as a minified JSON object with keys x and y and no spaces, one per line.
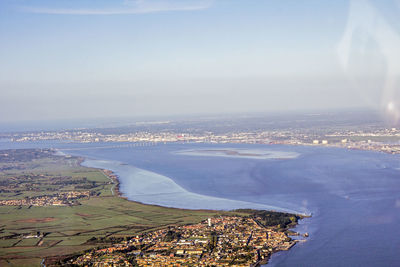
{"x":172,"y":235}
{"x":282,"y":220}
{"x":272,"y":218}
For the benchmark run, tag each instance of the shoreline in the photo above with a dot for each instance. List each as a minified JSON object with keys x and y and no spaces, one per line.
{"x":338,"y":204}
{"x":169,"y":194}
{"x":380,"y":147}
{"x":290,"y":230}
{"x":267,"y":223}
{"x":115,"y":180}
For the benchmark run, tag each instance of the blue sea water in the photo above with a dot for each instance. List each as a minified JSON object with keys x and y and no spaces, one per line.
{"x":354,"y":196}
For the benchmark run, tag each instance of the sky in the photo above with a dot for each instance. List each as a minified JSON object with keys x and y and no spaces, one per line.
{"x":73,"y":59}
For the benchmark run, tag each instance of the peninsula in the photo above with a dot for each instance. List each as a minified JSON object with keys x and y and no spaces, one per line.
{"x":57,"y":212}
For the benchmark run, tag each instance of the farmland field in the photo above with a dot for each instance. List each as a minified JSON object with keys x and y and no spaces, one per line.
{"x":28,"y":233}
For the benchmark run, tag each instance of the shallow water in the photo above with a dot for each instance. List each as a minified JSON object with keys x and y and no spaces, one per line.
{"x":152,"y":188}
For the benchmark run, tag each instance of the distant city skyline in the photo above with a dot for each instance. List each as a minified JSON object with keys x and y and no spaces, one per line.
{"x":93,"y":59}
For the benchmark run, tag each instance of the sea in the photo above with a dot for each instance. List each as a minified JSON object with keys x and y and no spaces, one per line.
{"x":352,"y":196}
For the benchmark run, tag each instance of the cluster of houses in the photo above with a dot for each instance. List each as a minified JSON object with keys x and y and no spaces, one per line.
{"x":59,"y":199}
{"x":221,"y":241}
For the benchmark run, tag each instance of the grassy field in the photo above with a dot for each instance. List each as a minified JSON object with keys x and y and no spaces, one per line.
{"x":66,"y":229}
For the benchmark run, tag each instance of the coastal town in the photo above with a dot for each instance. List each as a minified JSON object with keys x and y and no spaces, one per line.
{"x":376,"y":139}
{"x":220,"y":241}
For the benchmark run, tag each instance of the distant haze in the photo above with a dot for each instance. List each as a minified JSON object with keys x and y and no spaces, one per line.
{"x":91,"y":59}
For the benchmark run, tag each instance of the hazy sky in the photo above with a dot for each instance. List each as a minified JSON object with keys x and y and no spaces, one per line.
{"x":106,"y":58}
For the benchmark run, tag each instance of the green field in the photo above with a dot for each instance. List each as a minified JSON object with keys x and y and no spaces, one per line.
{"x":64,"y":230}
{"x":68,"y":228}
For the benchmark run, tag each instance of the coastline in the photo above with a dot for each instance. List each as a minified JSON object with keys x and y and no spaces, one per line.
{"x":290,"y":230}
{"x":334,"y":211}
{"x":147,"y":187}
{"x":324,"y":216}
{"x":114,"y":180}
{"x":113,"y":221}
